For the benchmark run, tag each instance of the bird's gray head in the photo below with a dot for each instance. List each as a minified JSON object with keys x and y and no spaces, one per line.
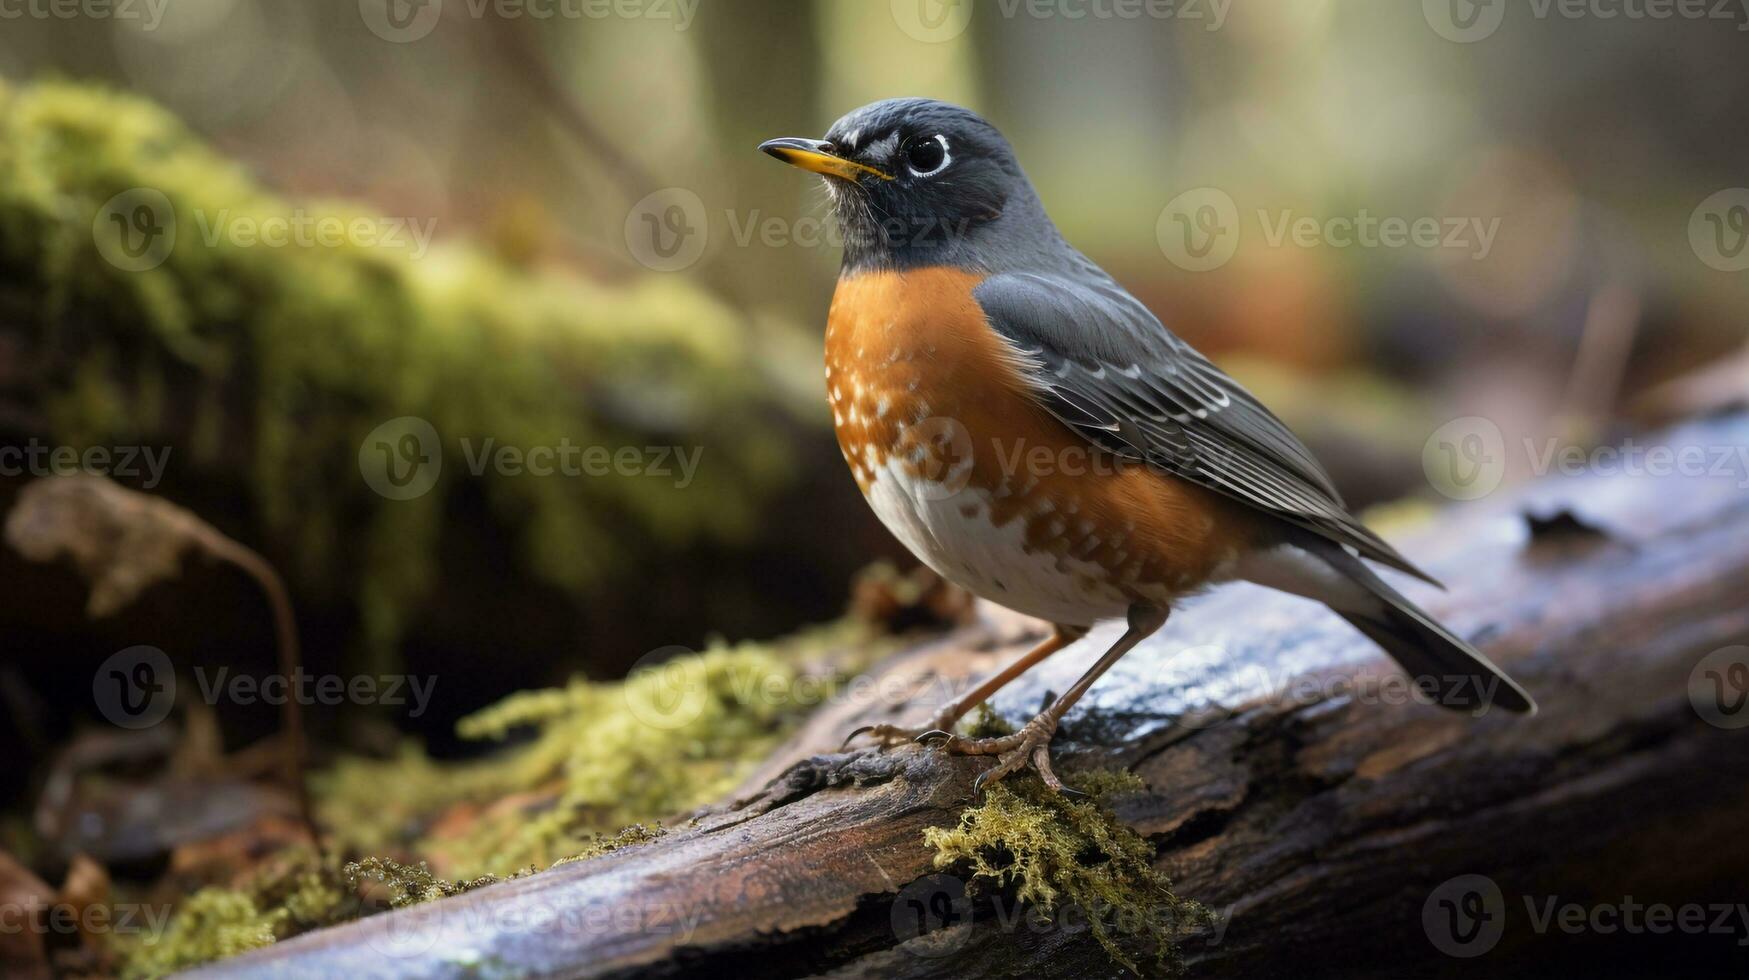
{"x":920,"y":182}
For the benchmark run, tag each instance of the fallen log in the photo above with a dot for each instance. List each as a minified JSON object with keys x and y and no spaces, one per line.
{"x":1295,"y":785}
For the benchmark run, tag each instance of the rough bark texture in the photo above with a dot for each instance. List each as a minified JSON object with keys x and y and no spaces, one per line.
{"x":1292,"y":786}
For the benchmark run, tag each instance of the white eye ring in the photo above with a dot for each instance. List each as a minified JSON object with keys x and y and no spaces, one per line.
{"x":946,"y":158}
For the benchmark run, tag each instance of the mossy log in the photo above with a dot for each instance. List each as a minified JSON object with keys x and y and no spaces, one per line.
{"x":1288,"y":788}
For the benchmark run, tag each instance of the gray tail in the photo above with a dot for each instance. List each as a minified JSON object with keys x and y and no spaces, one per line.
{"x":1459,"y":675}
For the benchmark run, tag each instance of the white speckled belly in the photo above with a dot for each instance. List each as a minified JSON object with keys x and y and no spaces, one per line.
{"x":951,"y":531}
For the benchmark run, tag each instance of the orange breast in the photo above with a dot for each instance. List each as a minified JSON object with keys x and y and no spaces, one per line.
{"x":923,"y":392}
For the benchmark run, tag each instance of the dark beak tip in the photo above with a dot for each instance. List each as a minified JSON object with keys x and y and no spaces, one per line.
{"x":778,"y":147}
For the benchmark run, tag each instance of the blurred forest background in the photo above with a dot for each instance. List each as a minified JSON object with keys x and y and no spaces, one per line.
{"x":530,"y":146}
{"x":531,"y":141}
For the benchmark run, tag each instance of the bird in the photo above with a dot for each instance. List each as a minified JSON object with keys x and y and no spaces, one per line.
{"x":1033,"y":433}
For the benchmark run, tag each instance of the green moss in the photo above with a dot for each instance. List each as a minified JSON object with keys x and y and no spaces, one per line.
{"x":411,"y":884}
{"x":211,"y":924}
{"x":986,"y":723}
{"x":606,"y":844}
{"x":269,"y":366}
{"x":291,"y":893}
{"x":1053,"y":851}
{"x":593,"y":756}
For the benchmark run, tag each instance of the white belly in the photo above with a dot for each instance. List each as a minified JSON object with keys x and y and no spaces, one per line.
{"x":950,"y":530}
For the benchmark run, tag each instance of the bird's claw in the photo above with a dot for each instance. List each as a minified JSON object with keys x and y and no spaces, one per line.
{"x":1029,"y":746}
{"x":891,"y":735}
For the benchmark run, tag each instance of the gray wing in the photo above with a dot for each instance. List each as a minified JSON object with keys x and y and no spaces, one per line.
{"x":1108,"y":369}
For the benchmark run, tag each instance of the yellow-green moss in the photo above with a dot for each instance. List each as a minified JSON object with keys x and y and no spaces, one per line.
{"x":294,"y":893}
{"x":287,"y":357}
{"x":410,"y":884}
{"x":211,"y":924}
{"x":596,"y":756}
{"x":1053,"y":852}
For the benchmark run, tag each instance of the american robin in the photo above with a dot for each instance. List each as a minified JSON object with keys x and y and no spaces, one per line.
{"x":1031,"y":432}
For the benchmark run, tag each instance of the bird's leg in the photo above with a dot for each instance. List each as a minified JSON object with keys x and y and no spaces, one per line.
{"x":1032,"y":743}
{"x":1061,"y":636}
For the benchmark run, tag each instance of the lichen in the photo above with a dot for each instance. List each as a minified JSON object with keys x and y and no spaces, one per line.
{"x":1054,"y":852}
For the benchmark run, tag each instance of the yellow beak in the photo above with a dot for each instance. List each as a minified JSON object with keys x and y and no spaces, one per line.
{"x":813,"y":155}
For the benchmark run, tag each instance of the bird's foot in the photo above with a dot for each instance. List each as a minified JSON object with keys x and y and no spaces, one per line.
{"x":1031,"y":745}
{"x":887,"y":736}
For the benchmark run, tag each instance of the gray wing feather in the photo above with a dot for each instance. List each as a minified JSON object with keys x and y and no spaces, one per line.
{"x":1108,"y":369}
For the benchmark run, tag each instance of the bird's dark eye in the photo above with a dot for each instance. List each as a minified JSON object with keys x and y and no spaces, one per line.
{"x":927,"y":157}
